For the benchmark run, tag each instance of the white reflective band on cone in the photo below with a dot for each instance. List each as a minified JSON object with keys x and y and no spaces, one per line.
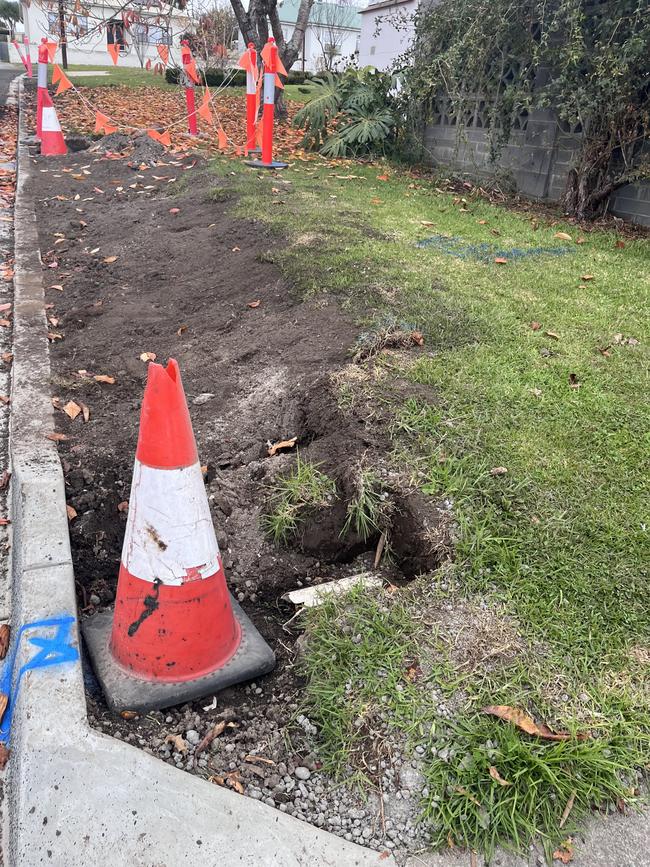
{"x":169,"y":529}
{"x":269,"y":88}
{"x":250,"y":83}
{"x":42,"y":74}
{"x":50,"y":122}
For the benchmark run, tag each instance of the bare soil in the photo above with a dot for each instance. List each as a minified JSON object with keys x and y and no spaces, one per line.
{"x":151,"y":260}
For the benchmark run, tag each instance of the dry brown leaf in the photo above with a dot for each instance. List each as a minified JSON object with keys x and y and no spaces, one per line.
{"x":56,"y":437}
{"x":587,"y":277}
{"x":552,"y":334}
{"x":129,"y":714}
{"x":123,"y":506}
{"x":565,"y":852}
{"x":180,"y":744}
{"x":562,"y":236}
{"x":181,"y":330}
{"x":497,"y":777}
{"x":5,"y":323}
{"x":103,"y":377}
{"x":4,"y":701}
{"x":4,"y":522}
{"x":110,"y":259}
{"x":72,"y":512}
{"x":5,"y":634}
{"x":54,"y":335}
{"x":254,"y":304}
{"x":461,"y":791}
{"x":57,"y":286}
{"x":283,"y":444}
{"x":72,"y":409}
{"x":4,"y":756}
{"x":427,"y":223}
{"x":234,"y":781}
{"x":619,"y":245}
{"x":174,"y":210}
{"x":4,"y":481}
{"x":535,"y":326}
{"x":520,"y":718}
{"x":5,"y":307}
{"x":382,"y":177}
{"x":4,"y":398}
{"x":573,"y":381}
{"x":498,"y":471}
{"x":147,"y":356}
{"x":581,"y":240}
{"x":417,"y":337}
{"x":500,"y":260}
{"x":604,"y":351}
{"x":7,"y":357}
{"x":262,"y":759}
{"x":85,"y":411}
{"x":568,"y":808}
{"x":236,"y":249}
{"x":207,"y":740}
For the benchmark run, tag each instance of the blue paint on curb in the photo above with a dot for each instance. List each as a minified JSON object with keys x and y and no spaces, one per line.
{"x":54,"y":649}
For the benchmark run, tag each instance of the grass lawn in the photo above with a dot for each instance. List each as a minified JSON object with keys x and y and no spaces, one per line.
{"x":115,"y":76}
{"x":537,"y":432}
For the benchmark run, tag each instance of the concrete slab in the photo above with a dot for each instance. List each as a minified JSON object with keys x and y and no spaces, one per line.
{"x":76,"y":796}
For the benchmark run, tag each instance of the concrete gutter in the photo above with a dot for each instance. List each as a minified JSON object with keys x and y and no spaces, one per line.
{"x":75,"y":795}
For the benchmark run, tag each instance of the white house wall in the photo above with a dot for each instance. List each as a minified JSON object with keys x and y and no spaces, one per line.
{"x":383,"y":49}
{"x":92,"y":50}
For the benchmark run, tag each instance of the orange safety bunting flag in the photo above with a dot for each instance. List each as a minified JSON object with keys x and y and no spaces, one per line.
{"x":114,"y":51}
{"x":245,"y":61}
{"x":147,"y":65}
{"x":190,"y":68}
{"x":103,"y":124}
{"x":163,"y":53}
{"x":223,"y":139}
{"x":64,"y":84}
{"x":204,"y":109}
{"x":51,"y":50}
{"x":57,"y":72}
{"x":163,"y":137}
{"x":266,"y":57}
{"x":278,"y":82}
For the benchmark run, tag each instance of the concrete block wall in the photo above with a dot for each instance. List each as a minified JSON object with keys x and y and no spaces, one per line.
{"x":537,"y":159}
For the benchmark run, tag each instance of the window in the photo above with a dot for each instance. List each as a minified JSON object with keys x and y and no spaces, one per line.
{"x":150,"y":34}
{"x":115,"y":34}
{"x":75,"y":27}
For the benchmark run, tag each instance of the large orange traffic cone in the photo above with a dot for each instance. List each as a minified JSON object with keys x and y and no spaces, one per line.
{"x":176,"y":633}
{"x":52,"y":141}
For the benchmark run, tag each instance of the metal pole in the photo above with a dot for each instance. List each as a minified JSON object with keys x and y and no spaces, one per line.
{"x":64,"y":47}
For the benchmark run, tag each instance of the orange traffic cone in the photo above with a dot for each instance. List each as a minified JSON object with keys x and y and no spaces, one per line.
{"x":176,"y":634}
{"x":52,"y":141}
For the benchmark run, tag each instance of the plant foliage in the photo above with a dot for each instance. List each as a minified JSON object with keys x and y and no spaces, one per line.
{"x":350,"y":114}
{"x":585,"y":59}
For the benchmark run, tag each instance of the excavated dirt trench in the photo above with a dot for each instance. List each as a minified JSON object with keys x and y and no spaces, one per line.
{"x":145,"y":270}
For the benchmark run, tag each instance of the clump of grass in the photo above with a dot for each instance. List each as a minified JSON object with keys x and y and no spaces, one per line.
{"x":293,"y":495}
{"x":368,"y":510}
{"x":391,"y":336}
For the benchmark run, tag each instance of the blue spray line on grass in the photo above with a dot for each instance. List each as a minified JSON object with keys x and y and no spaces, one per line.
{"x":54,"y":649}
{"x":486,"y":252}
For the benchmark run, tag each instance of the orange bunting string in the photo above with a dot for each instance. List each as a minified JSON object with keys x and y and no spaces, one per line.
{"x":103,"y":124}
{"x":114,"y":51}
{"x":51,"y":50}
{"x":191,"y":70}
{"x":222,"y":139}
{"x":163,"y":53}
{"x":203,"y":110}
{"x":164,"y":138}
{"x":64,"y":84}
{"x":278,"y":82}
{"x":57,"y":72}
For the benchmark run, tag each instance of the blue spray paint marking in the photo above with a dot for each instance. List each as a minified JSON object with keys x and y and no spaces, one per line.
{"x":54,"y":649}
{"x":486,"y":252}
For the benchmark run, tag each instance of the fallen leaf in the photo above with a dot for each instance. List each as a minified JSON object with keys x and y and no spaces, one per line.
{"x":207,"y":740}
{"x":5,"y":307}
{"x":123,"y":506}
{"x":85,"y":410}
{"x":498,"y":471}
{"x":4,"y":398}
{"x":262,"y":759}
{"x":4,"y":481}
{"x":254,"y":304}
{"x":4,"y":522}
{"x":520,"y":718}
{"x":573,"y":380}
{"x":536,"y":392}
{"x":417,"y":338}
{"x":375,"y":201}
{"x":619,"y":245}
{"x":129,"y":714}
{"x":500,"y":260}
{"x":282,"y":444}
{"x":110,"y":259}
{"x":180,"y":744}
{"x":236,"y":249}
{"x":535,"y":326}
{"x":382,"y":177}
{"x":581,"y":240}
{"x":497,"y":777}
{"x":568,"y":808}
{"x":103,"y":377}
{"x":234,"y":781}
{"x":587,"y":277}
{"x":181,"y":330}
{"x":564,"y":853}
{"x":604,"y":351}
{"x":4,"y":701}
{"x":4,"y":756}
{"x":57,"y":286}
{"x":5,"y":633}
{"x":174,"y":210}
{"x":72,"y":512}
{"x":5,"y":323}
{"x":552,"y":334}
{"x":426,"y":223}
{"x":56,"y":437}
{"x":461,"y":791}
{"x":482,"y":222}
{"x":7,"y":357}
{"x":562,"y":236}
{"x":147,"y":356}
{"x":72,"y":409}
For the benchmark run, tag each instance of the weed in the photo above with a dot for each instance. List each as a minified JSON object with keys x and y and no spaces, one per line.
{"x":367,"y":510}
{"x":292,"y":495}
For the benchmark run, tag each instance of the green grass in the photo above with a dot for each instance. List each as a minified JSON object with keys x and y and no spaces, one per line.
{"x":292,"y":495}
{"x":560,"y":541}
{"x":125,"y":76}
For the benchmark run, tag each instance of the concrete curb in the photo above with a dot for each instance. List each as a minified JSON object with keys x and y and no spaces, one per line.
{"x":76,"y":796}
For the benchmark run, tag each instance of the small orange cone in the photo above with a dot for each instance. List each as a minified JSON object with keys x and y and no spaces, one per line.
{"x":52,"y":141}
{"x":176,"y":633}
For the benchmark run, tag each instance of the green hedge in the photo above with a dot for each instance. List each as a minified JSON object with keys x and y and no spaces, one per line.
{"x":215,"y":77}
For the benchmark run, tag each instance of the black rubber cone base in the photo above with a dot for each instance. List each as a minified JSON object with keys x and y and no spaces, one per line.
{"x":258,"y":164}
{"x":124,"y":691}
